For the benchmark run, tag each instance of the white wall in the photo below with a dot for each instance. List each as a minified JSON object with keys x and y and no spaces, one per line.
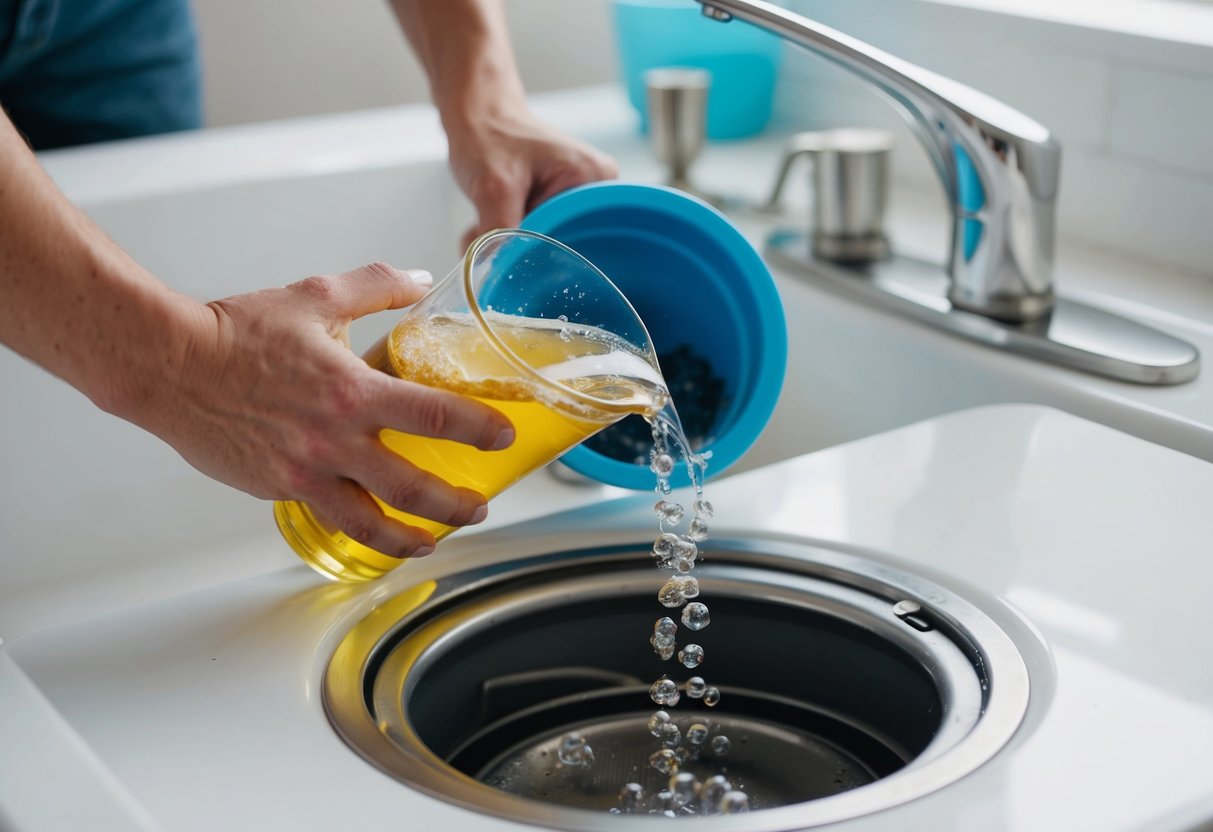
{"x":267,"y":59}
{"x":1127,"y":94}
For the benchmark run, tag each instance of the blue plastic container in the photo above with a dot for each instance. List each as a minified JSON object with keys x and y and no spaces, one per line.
{"x":694,"y":279}
{"x":742,"y":59}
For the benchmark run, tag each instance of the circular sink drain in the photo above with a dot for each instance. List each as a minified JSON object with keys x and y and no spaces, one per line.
{"x":847,"y":687}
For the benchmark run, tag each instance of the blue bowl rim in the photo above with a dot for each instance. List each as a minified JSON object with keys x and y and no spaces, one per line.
{"x":771,"y":354}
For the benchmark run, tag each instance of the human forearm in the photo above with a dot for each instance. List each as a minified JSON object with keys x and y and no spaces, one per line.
{"x":504,"y":159}
{"x":74,"y":302}
{"x":465,"y":50}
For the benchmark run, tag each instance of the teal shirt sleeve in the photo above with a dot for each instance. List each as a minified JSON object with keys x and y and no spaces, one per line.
{"x":79,"y":71}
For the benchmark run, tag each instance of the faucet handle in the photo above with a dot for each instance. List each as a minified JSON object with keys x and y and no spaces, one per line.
{"x":800,"y":144}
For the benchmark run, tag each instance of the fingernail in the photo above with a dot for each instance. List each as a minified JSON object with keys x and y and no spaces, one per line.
{"x":479,"y":514}
{"x":503,"y":440}
{"x":421,"y":277}
{"x":423,"y":551}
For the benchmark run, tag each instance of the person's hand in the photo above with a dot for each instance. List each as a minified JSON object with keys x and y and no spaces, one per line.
{"x":508,"y":161}
{"x":270,"y":400}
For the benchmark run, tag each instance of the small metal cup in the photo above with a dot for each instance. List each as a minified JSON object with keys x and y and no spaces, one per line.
{"x":678,"y":111}
{"x":850,"y":184}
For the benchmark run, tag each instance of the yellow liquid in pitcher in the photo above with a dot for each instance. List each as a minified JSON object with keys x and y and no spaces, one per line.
{"x":448,"y":352}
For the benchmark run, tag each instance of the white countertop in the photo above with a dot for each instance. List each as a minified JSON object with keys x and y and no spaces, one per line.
{"x":162,"y":645}
{"x":1089,"y":547}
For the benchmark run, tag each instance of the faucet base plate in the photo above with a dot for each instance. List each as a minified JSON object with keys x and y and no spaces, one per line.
{"x":1073,"y":335}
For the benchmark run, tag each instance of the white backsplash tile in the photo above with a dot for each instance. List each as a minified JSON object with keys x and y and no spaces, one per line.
{"x":1137,"y":172}
{"x":1164,"y":117}
{"x":1138,"y":209}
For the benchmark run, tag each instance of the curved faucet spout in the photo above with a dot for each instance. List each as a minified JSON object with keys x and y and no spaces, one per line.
{"x":999,"y":168}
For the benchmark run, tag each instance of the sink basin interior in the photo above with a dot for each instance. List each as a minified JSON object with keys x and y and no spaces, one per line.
{"x":834,"y":704}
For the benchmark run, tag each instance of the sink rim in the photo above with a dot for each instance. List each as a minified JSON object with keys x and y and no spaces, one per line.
{"x":349,"y":689}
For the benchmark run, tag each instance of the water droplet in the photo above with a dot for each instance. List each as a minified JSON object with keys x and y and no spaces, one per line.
{"x":575,"y":751}
{"x":671,"y":734}
{"x":663,"y":464}
{"x":695,"y":616}
{"x":658,"y":719}
{"x":664,"y":761}
{"x":711,"y":697}
{"x":696,"y":687}
{"x":631,"y":798}
{"x":713,"y":789}
{"x":697,"y":733}
{"x":691,"y":656}
{"x":664,"y":691}
{"x":698,"y":531}
{"x":684,"y":787}
{"x":685,"y":549}
{"x":668,"y":512}
{"x":665,"y":625}
{"x":721,"y":745}
{"x":671,"y":595}
{"x":663,"y":646}
{"x":733,"y":803}
{"x":690,"y":587}
{"x":663,"y":546}
{"x":703,"y":509}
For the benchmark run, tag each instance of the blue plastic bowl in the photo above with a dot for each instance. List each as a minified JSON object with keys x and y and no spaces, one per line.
{"x":742,"y":59}
{"x":693,"y":279}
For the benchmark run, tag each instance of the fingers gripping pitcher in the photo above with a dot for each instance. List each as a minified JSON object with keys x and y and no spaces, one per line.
{"x":525,"y":325}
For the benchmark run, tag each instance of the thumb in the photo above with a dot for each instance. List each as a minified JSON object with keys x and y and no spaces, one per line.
{"x":375,"y":287}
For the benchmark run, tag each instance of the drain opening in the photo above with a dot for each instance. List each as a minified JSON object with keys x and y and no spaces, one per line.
{"x":827,"y":693}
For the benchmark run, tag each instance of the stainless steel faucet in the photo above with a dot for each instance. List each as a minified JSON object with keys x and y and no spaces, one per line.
{"x":1000,"y":171}
{"x":999,"y":168}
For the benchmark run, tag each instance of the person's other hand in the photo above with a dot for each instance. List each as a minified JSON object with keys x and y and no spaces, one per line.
{"x":509,"y":161}
{"x":271,"y":400}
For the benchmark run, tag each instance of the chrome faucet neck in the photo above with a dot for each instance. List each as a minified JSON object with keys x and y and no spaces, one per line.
{"x":999,"y":168}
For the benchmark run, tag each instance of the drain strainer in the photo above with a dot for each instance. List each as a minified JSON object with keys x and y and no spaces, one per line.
{"x":847,"y":687}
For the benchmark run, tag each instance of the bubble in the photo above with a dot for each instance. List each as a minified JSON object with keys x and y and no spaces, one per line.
{"x":733,"y":803}
{"x":690,"y":587}
{"x":575,"y":751}
{"x":663,"y":546}
{"x":631,"y":798}
{"x":665,"y":625}
{"x":684,"y":787}
{"x":682,"y":753}
{"x":658,"y":719}
{"x":696,"y":687}
{"x":713,"y":789}
{"x":684,"y":566}
{"x":711,"y":697}
{"x":668,"y":512}
{"x":720,"y":745}
{"x":664,"y":761}
{"x":671,"y":595}
{"x":703,"y":509}
{"x":695,"y":616}
{"x":698,"y":531}
{"x":664,"y":692}
{"x":697,"y":734}
{"x":691,"y":656}
{"x":663,"y":465}
{"x":671,"y":735}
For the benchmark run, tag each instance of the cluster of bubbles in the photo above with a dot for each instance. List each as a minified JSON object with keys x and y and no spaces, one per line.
{"x":684,"y":795}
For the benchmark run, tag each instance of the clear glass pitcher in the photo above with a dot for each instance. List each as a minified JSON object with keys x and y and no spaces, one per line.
{"x":528,"y":326}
